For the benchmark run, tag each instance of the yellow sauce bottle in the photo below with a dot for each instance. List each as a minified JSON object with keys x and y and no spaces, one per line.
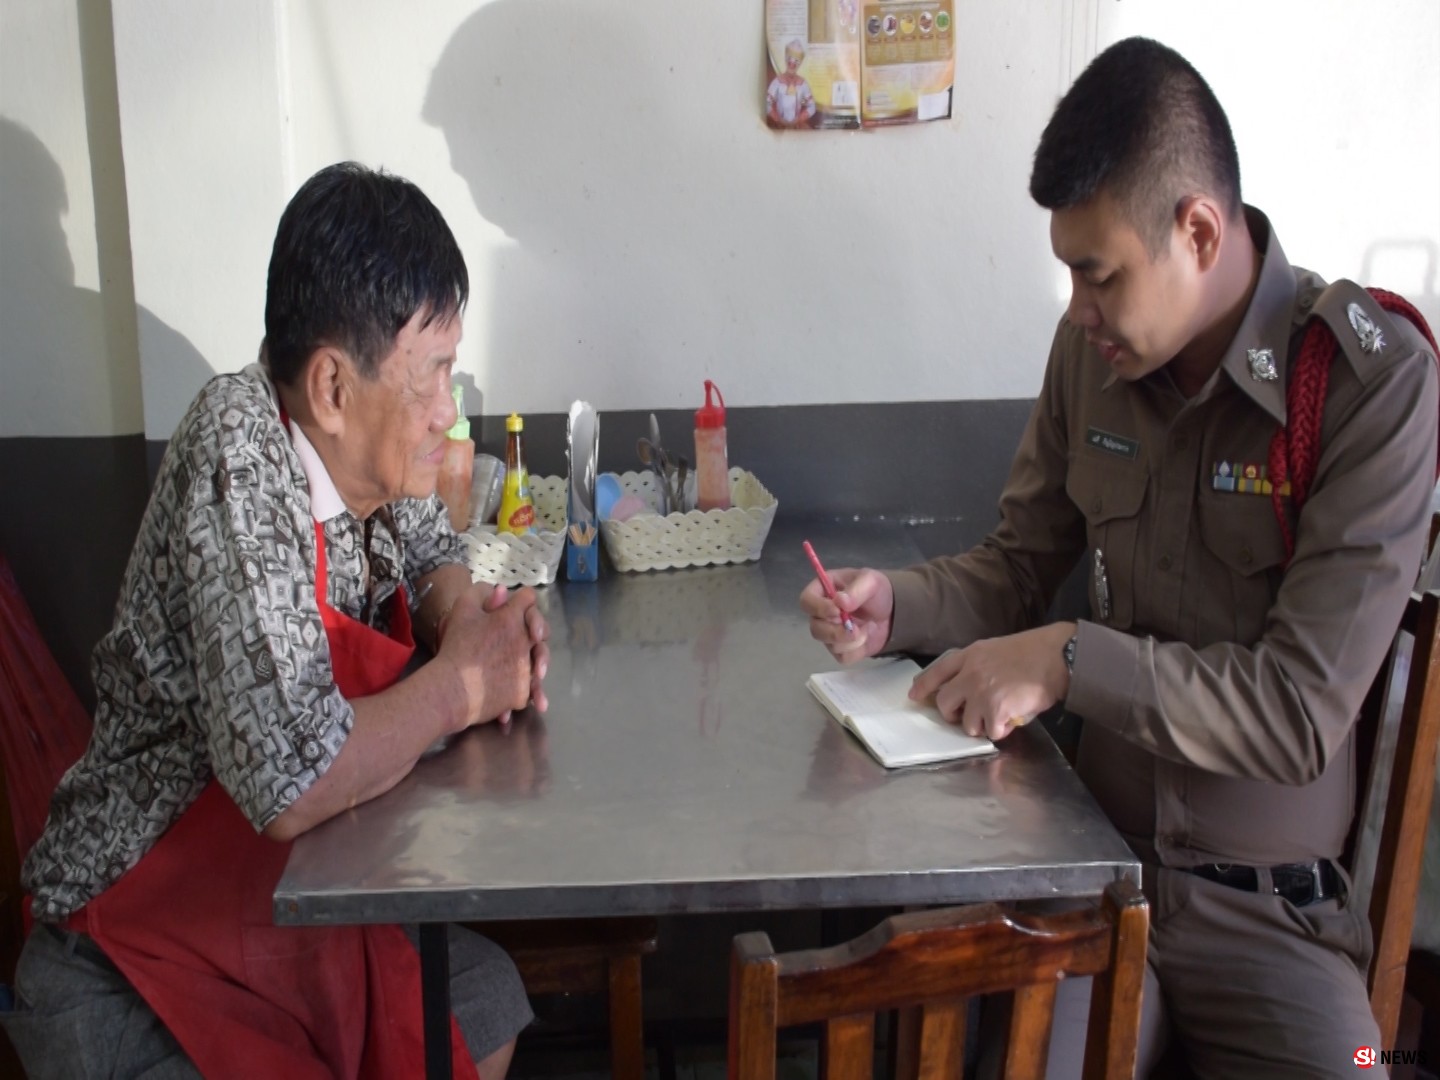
{"x":517,"y":509}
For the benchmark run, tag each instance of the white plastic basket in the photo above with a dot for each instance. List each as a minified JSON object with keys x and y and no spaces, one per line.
{"x":653,"y":542}
{"x":531,"y":559}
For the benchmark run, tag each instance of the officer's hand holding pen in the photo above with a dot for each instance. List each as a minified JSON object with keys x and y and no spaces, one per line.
{"x":868,"y":598}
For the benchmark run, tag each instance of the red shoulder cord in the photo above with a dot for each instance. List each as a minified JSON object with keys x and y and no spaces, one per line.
{"x":1295,"y":448}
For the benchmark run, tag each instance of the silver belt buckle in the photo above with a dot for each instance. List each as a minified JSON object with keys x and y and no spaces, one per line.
{"x":1317,"y":883}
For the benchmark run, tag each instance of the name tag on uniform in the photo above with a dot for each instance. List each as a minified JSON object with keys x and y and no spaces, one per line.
{"x":1244,"y":478}
{"x":1111,"y":443}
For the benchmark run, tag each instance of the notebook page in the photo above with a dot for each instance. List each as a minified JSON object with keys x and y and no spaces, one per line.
{"x":914,"y":738}
{"x":874,"y":703}
{"x":865,"y":691}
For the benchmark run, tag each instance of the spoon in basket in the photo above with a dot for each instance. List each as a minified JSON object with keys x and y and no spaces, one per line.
{"x":655,"y":459}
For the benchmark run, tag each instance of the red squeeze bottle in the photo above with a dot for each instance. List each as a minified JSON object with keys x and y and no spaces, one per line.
{"x":712,"y":470}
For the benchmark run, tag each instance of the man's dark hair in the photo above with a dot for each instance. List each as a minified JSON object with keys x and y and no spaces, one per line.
{"x":1141,"y":124}
{"x":358,"y":253}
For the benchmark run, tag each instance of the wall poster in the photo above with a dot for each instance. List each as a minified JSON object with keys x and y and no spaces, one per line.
{"x":858,"y":63}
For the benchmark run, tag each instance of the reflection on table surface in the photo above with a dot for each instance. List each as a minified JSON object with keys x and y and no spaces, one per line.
{"x":684,"y":767}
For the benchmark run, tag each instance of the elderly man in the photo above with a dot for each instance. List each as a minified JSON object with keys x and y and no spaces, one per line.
{"x":254,"y":685}
{"x":1247,"y":455}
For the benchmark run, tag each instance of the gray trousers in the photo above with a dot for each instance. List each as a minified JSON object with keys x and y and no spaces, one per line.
{"x":77,"y":1016}
{"x":1247,"y":984}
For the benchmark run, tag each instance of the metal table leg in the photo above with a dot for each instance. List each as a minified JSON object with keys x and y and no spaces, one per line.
{"x":435,"y":998}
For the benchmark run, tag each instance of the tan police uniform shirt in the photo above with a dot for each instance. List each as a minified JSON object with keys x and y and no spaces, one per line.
{"x":1219,"y":687}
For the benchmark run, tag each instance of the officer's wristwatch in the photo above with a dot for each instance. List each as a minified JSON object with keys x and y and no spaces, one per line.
{"x":1069,"y":653}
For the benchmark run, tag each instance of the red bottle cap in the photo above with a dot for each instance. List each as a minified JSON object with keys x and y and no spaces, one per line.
{"x":708,"y":415}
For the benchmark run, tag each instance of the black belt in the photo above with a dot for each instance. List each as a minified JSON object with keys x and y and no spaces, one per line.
{"x":1300,"y":883}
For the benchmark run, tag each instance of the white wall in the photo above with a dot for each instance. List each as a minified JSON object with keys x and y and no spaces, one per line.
{"x":68,"y":358}
{"x":205,"y":127}
{"x":1336,"y":109}
{"x":632,"y":227}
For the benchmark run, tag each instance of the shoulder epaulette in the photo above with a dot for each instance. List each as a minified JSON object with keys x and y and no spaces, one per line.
{"x":1366,"y":333}
{"x":1355,"y":322}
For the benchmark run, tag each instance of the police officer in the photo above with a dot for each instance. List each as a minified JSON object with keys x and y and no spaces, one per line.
{"x":1251,"y":556}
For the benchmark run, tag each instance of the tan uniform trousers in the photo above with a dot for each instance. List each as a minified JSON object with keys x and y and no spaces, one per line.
{"x":1249,"y":984}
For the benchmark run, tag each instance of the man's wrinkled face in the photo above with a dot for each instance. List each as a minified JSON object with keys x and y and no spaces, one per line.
{"x":1138,"y":311}
{"x":395,"y":436}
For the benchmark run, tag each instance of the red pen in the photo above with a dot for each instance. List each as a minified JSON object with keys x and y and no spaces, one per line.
{"x":828,"y":586}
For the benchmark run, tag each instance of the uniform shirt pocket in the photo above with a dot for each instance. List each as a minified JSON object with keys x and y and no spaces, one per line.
{"x":1111,"y":497}
{"x":1242,"y":557}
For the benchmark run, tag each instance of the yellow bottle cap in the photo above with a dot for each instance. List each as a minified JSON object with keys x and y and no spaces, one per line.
{"x":514,"y":422}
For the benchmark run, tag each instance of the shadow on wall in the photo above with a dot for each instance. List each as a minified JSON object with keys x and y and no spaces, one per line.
{"x":72,"y":505}
{"x":647,"y":223}
{"x":41,"y":308}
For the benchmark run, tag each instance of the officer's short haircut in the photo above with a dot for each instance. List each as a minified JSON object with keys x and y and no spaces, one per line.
{"x":357,"y":255}
{"x":1143,"y":125}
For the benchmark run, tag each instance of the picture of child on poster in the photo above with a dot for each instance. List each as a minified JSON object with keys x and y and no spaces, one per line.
{"x":838,"y":64}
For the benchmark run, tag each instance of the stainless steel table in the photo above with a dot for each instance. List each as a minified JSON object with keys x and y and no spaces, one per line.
{"x":683,"y":767}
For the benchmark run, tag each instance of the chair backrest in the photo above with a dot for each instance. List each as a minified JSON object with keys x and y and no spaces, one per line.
{"x":43,"y":729}
{"x":935,"y":961}
{"x":1409,"y":783}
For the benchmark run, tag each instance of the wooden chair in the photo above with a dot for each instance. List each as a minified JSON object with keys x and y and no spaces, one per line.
{"x":932,"y":961}
{"x":12,"y":931}
{"x":587,"y":956}
{"x":12,"y":927}
{"x":43,"y":728}
{"x":1422,"y":1002}
{"x":1420,"y":1015}
{"x":1406,"y":802}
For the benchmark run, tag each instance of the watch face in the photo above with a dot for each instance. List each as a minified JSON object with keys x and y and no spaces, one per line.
{"x":1070,"y":656}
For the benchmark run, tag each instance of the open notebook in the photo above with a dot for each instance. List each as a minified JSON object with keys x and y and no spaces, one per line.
{"x":872,"y":701}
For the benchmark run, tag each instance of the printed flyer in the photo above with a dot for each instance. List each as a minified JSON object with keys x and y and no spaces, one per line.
{"x":813,"y":63}
{"x":907,"y":70}
{"x":848,"y":64}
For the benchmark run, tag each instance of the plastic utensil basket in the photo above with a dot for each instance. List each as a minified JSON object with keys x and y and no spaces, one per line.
{"x":712,"y":537}
{"x":531,"y":559}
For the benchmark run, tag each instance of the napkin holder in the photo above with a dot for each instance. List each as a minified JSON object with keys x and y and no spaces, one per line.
{"x":582,"y":538}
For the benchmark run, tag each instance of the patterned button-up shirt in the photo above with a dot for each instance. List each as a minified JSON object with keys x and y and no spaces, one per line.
{"x":217,"y":664}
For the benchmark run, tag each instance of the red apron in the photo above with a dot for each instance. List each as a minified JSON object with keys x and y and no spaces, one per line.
{"x":191,"y":927}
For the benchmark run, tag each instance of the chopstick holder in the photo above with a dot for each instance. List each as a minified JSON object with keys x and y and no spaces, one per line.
{"x":582,"y":552}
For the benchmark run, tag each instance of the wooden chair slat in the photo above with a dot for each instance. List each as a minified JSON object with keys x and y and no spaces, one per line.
{"x":587,"y":956}
{"x":627,"y":1018}
{"x":754,"y":994}
{"x":1029,"y":1045}
{"x":1406,"y":803}
{"x":1407,"y":813}
{"x":942,"y":1041}
{"x":849,"y":1047}
{"x":927,"y":964}
{"x":1115,"y":998}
